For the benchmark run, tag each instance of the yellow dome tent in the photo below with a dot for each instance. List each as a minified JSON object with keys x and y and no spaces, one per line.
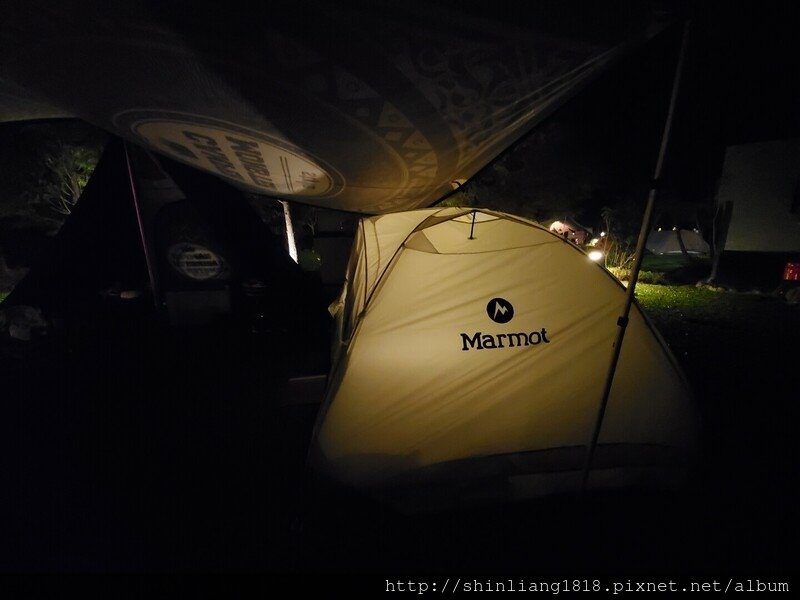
{"x":471,"y":352}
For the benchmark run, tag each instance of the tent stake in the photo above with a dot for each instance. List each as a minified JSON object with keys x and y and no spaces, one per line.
{"x":472,"y":227}
{"x":622,"y":321}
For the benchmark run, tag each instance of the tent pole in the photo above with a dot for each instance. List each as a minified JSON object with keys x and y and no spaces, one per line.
{"x":148,"y":258}
{"x":622,"y":321}
{"x":291,"y":246}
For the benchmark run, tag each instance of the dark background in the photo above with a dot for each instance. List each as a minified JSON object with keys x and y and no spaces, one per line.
{"x":739,"y":85}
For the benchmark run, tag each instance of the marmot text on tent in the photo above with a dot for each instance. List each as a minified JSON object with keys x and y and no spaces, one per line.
{"x":488,"y":341}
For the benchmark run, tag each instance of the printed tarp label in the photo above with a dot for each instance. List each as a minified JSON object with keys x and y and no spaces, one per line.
{"x":257,"y":160}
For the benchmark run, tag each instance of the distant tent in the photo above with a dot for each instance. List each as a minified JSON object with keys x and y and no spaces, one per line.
{"x":472,"y":350}
{"x":757,"y":214}
{"x":666,"y":242}
{"x":571,"y":230}
{"x":761,"y":183}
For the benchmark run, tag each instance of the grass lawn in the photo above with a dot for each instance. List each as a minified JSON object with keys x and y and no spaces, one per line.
{"x":740,"y":355}
{"x":669,"y":262}
{"x":673,"y":303}
{"x":672,"y":268}
{"x":719,"y":336}
{"x":699,"y":323}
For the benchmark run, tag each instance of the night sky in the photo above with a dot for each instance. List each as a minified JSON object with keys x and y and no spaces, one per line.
{"x":739,"y":85}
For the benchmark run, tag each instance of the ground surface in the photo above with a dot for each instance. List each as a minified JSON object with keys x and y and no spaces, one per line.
{"x":138,"y":447}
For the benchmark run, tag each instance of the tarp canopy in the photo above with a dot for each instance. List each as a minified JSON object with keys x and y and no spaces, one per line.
{"x":760,"y":183}
{"x":368,"y":107}
{"x":666,"y":242}
{"x":472,"y":350}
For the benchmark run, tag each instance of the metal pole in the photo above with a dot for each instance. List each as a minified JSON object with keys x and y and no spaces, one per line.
{"x":287,"y":220}
{"x":622,"y":321}
{"x":148,"y":259}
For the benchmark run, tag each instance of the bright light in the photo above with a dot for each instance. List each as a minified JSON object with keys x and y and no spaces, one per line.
{"x":674,"y":229}
{"x":659,"y":228}
{"x":602,"y":234}
{"x":594,"y":241}
{"x":287,"y":218}
{"x":595,"y":255}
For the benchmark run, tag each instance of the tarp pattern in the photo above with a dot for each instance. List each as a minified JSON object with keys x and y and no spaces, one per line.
{"x":369,"y":107}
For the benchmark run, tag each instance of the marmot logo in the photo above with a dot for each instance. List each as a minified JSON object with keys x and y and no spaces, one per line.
{"x":500,"y":310}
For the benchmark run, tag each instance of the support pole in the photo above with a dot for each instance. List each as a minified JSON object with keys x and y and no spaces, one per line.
{"x":472,"y":227}
{"x":287,"y":220}
{"x":148,"y":258}
{"x":622,"y":321}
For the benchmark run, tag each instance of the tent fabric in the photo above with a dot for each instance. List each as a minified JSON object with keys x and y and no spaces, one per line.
{"x":427,"y":388}
{"x":666,"y":242}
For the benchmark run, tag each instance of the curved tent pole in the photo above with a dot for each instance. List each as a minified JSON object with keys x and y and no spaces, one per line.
{"x":368,"y":298}
{"x":622,"y":321}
